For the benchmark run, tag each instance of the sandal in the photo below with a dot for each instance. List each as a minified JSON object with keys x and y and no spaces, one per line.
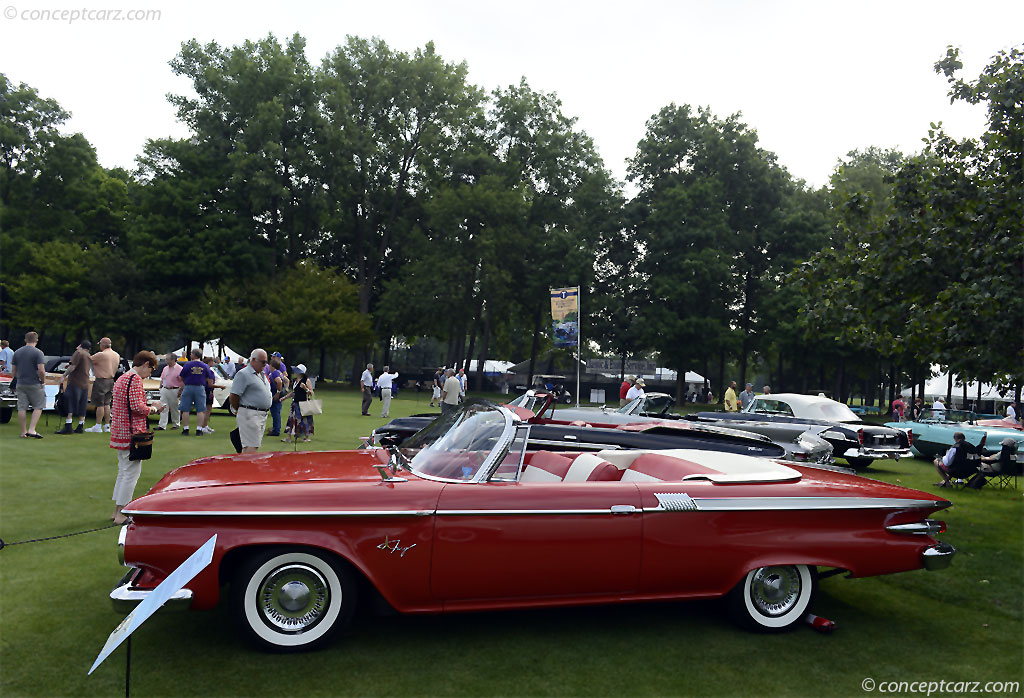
{"x":34,"y":435}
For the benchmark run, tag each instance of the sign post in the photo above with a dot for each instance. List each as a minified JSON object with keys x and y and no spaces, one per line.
{"x":565,"y":324}
{"x":177,"y":579}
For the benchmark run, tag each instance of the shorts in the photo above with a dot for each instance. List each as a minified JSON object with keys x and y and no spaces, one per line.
{"x":251,"y":424}
{"x":437,"y":392}
{"x":76,"y":400}
{"x":102,"y":392}
{"x":31,"y":397}
{"x":192,"y":396}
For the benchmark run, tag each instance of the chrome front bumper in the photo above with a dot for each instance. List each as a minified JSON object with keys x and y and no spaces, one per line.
{"x":938,"y":556}
{"x":125,"y":597}
{"x":868,"y":452}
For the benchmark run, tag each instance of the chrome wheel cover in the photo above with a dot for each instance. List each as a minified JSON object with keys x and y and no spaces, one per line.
{"x":293,"y":598}
{"x":774,"y":591}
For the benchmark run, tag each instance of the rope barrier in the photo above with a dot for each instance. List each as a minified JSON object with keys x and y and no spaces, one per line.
{"x":64,"y":535}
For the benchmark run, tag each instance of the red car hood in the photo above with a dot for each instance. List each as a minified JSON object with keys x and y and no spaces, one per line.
{"x":279,"y":467}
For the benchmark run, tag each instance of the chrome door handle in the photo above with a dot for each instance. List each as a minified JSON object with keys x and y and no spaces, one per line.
{"x":623,"y":509}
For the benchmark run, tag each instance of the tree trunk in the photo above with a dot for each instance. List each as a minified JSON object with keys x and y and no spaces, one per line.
{"x":484,"y":342}
{"x":949,"y":387}
{"x":721,"y":376}
{"x":536,"y":341}
{"x":323,"y":361}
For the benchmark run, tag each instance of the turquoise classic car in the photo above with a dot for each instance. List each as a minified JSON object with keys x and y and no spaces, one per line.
{"x":932,"y":433}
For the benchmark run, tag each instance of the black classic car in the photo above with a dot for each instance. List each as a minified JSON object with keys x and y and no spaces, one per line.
{"x":801,"y":442}
{"x":645,"y":435}
{"x":859,"y":443}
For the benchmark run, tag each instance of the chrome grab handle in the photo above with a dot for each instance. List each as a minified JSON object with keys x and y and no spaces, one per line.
{"x":623,"y":509}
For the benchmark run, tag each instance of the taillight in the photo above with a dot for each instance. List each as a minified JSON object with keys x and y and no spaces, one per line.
{"x":910,"y":438}
{"x":860,"y":436}
{"x":942,"y":526}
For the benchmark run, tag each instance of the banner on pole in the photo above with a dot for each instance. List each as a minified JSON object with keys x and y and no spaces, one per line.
{"x":565,"y":316}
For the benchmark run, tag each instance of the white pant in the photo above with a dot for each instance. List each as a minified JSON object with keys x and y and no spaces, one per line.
{"x":251,"y":424}
{"x":385,"y":396}
{"x":169,"y":396}
{"x":128,"y":472}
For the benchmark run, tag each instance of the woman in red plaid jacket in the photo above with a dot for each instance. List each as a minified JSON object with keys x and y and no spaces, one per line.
{"x":129,"y":410}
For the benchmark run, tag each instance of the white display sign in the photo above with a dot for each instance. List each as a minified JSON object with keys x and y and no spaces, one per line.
{"x":175,"y":581}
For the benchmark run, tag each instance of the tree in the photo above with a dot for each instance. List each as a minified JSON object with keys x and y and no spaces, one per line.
{"x":940,"y":279}
{"x":708,"y":216}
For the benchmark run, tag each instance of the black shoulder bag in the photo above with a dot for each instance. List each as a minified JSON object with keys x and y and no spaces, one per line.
{"x":142,"y":443}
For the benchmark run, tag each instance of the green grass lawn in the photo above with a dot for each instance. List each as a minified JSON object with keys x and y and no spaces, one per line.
{"x":961,"y":624}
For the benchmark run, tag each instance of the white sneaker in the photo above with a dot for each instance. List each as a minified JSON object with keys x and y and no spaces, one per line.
{"x":210,"y":430}
{"x":96,"y":429}
{"x":106,"y":427}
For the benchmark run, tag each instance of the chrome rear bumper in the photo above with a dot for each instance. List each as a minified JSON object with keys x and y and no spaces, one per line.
{"x":125,"y":597}
{"x":938,"y":556}
{"x":868,"y":452}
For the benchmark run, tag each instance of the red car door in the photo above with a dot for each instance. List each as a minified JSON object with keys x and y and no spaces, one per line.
{"x":509,"y":541}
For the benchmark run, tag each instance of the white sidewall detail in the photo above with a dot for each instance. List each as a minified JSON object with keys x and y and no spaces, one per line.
{"x":268,"y":634}
{"x":791,"y":616}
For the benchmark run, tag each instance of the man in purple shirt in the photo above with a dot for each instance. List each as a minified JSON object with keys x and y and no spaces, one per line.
{"x":192,"y":393}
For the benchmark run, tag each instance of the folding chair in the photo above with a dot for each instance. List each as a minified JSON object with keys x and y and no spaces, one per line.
{"x":1004,"y":471}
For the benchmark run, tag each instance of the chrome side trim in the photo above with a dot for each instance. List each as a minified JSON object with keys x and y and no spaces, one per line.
{"x":523,"y":512}
{"x":801,"y":503}
{"x":125,"y":599}
{"x":928,"y":527}
{"x":938,"y":557}
{"x":154,"y":512}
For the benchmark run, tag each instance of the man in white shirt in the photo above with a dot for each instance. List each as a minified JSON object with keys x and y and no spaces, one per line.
{"x":384,"y":383}
{"x":366,"y":385}
{"x":939,"y":405}
{"x":1011,"y":412}
{"x":636,"y":391}
{"x":450,"y":392}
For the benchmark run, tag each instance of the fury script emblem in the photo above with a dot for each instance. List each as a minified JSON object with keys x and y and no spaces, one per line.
{"x":394,"y":546}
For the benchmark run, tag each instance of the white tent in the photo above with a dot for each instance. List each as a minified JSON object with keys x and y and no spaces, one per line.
{"x":934,"y":387}
{"x":491,"y":367}
{"x":213,"y":347}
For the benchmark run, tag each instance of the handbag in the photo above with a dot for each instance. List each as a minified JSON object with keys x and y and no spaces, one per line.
{"x":59,"y":403}
{"x":311,"y":407}
{"x":141,"y":447}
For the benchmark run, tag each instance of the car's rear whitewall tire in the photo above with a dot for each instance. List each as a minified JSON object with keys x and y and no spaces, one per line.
{"x":292,"y":600}
{"x":773,"y":599}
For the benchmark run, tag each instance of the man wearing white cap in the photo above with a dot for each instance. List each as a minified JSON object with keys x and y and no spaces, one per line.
{"x":251,"y":398}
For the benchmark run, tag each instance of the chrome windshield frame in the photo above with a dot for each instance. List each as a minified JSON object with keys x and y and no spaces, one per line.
{"x":489,"y":464}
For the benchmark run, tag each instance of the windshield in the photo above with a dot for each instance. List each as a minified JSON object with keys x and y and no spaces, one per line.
{"x":533,"y":402}
{"x":457,"y":445}
{"x":945,"y":416}
{"x":632,"y":407}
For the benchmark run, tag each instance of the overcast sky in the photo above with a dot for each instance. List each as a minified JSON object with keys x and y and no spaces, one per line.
{"x":815,"y":79}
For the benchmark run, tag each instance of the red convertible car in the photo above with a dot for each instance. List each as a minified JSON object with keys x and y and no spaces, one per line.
{"x":462,"y":517}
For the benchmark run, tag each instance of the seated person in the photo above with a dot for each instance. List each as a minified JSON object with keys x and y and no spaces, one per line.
{"x":999,"y":462}
{"x":955,"y":463}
